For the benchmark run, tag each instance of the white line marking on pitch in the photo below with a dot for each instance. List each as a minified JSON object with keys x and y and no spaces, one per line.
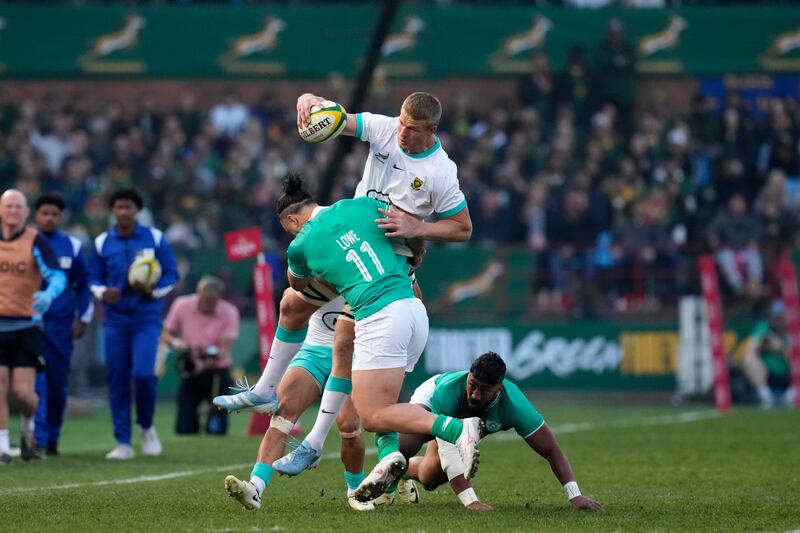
{"x":680,"y":418}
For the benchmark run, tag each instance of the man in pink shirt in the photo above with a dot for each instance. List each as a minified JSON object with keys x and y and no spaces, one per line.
{"x":201,"y":328}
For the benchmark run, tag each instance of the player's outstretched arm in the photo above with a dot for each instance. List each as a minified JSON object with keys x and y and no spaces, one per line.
{"x":398,"y":223}
{"x":544,"y":443}
{"x":304,"y":104}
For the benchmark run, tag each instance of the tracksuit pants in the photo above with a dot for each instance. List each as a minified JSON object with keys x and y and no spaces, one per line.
{"x":51,"y":384}
{"x":131,"y":360}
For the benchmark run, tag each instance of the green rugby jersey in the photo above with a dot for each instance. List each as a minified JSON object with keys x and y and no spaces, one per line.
{"x":343,"y":245}
{"x":510,"y":409}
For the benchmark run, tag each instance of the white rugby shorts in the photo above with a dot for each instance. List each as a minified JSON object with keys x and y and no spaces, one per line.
{"x":393,"y":337}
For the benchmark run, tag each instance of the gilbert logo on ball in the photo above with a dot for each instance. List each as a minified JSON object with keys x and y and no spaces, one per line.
{"x":327,"y":120}
{"x":145,"y":270}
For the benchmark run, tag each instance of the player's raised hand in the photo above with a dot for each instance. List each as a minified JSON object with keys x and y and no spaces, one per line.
{"x":480,"y":506}
{"x":582,"y":503}
{"x":304,"y":104}
{"x":398,"y":223}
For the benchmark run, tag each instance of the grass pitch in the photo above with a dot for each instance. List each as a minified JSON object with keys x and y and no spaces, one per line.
{"x":654,"y":469}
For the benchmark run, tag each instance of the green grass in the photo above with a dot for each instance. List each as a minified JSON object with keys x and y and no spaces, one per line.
{"x":651,"y":470}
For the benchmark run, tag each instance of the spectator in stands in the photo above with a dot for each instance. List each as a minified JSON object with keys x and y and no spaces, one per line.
{"x":616,"y":70}
{"x":132,"y":318}
{"x":201,"y":328}
{"x":538,"y":88}
{"x":766,"y":361}
{"x":734,"y":235}
{"x":571,"y":235}
{"x":230,"y":115}
{"x":646,"y":251}
{"x":65,"y":320}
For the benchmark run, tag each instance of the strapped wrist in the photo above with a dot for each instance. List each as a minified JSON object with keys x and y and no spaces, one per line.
{"x":467,"y":496}
{"x":571,"y":490}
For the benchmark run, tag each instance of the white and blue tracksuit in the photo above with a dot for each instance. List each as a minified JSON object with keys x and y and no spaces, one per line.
{"x":51,"y":385}
{"x":132,"y":325}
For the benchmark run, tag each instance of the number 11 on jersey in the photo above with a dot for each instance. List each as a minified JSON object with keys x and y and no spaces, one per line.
{"x":353,"y":257}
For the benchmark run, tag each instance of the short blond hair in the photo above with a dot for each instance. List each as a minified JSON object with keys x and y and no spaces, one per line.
{"x":423,"y":106}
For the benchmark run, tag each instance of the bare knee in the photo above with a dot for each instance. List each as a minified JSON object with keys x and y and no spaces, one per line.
{"x":290,"y":409}
{"x":293,"y":310}
{"x":348,"y":424}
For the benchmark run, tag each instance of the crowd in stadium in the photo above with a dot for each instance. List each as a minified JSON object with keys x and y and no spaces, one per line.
{"x":622,"y":200}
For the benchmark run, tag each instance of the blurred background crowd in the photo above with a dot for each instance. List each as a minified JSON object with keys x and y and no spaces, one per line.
{"x":615,"y":204}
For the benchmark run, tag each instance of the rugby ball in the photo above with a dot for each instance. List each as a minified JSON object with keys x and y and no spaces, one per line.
{"x":327,"y":120}
{"x":146,"y":270}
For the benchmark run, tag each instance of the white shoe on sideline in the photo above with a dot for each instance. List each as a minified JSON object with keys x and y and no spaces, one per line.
{"x":150,"y":443}
{"x":244,"y":492}
{"x":122,"y":452}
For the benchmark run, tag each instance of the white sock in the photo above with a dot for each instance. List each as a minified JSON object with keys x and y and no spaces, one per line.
{"x":26,"y":424}
{"x":259,"y":484}
{"x":329,"y":407}
{"x":764,"y":393}
{"x":5,"y":445}
{"x":280,"y":355}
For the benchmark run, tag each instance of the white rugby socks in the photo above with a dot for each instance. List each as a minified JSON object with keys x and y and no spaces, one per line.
{"x":285,"y":346}
{"x":333,"y":397}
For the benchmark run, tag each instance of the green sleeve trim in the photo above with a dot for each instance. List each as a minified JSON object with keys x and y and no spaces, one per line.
{"x":286,"y":335}
{"x":457,"y":209}
{"x":359,"y":125}
{"x":337,"y":384}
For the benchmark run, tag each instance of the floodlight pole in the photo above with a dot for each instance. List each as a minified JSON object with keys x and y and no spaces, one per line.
{"x":371,"y":58}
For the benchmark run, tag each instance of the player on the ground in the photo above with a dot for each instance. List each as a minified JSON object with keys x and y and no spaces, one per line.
{"x":65,"y":320}
{"x":483,"y":392}
{"x":341,"y":245}
{"x":302,"y":384}
{"x":408,"y":169}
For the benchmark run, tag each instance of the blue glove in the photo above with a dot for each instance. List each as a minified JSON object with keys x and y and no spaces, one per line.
{"x":41,"y":302}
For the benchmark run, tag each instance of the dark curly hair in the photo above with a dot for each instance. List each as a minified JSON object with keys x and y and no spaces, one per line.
{"x":51,"y":199}
{"x":126,"y":194}
{"x":488,"y":368}
{"x":294,"y":197}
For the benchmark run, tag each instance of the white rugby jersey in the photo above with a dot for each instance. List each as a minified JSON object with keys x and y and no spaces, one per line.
{"x":322,"y":322}
{"x":420,"y":184}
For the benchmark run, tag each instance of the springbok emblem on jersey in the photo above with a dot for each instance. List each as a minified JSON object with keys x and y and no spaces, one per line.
{"x":505,"y":58}
{"x":263,"y":41}
{"x":126,"y":38}
{"x":664,"y":39}
{"x":417,"y":183}
{"x":783,"y":44}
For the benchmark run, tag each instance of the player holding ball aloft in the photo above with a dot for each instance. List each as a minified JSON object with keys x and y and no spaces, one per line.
{"x":408,"y":170}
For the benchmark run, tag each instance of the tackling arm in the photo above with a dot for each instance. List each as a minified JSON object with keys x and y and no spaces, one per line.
{"x":398,"y":223}
{"x":544,"y":443}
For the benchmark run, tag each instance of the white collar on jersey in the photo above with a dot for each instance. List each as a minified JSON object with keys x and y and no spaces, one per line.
{"x":317,"y":211}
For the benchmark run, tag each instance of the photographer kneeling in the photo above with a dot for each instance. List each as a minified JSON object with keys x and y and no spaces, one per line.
{"x":201,"y":329}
